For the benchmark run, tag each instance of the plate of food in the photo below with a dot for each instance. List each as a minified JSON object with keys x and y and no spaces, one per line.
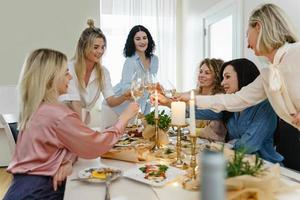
{"x":134,"y":130}
{"x":98,"y":174}
{"x":166,"y":153}
{"x":154,"y":174}
{"x":126,"y":141}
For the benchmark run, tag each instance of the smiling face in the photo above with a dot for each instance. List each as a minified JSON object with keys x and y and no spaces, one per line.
{"x":206,"y":77}
{"x":97,"y":50}
{"x":63,"y":81}
{"x":252,"y":37}
{"x":140,"y":41}
{"x":230,"y":80}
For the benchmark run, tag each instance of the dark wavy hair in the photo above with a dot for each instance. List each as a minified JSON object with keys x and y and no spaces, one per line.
{"x":246,"y":71}
{"x":129,"y":48}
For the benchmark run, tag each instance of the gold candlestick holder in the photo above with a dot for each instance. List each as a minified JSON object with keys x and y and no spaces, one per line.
{"x":156,"y":145}
{"x":193,"y":163}
{"x":179,"y":163}
{"x":191,"y":182}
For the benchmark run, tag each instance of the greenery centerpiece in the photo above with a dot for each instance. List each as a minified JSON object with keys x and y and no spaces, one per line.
{"x":239,"y":165}
{"x":164,"y":123}
{"x":164,"y":120}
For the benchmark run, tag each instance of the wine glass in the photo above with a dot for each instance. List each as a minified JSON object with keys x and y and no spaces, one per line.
{"x":150,"y":82}
{"x":169,"y":89}
{"x":137,"y":90}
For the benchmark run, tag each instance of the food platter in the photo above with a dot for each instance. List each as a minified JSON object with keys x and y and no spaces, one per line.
{"x":170,"y":174}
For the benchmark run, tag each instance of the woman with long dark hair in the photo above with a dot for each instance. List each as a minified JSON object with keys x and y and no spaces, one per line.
{"x":140,"y":59}
{"x":254,"y":127}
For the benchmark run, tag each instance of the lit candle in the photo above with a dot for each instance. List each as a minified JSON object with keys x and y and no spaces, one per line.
{"x":178,"y":113}
{"x":156,"y":105}
{"x":192,"y":115}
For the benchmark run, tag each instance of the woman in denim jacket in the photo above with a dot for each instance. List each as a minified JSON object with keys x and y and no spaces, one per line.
{"x":254,"y":127}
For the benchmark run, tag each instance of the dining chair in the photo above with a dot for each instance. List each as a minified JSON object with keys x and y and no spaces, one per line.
{"x":7,"y":139}
{"x":107,"y":117}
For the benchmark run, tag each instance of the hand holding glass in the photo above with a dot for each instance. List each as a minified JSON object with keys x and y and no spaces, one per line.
{"x":137,"y":91}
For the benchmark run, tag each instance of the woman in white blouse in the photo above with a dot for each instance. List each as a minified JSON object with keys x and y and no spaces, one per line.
{"x":271,"y":36}
{"x":90,"y":78}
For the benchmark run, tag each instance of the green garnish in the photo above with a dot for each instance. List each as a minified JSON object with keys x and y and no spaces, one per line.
{"x":163,"y":168}
{"x":168,"y":151}
{"x":163,"y":122}
{"x":238,"y":166}
{"x":143,"y":169}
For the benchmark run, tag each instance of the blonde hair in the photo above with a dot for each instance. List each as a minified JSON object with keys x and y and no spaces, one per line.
{"x":213,"y":65}
{"x":38,"y":80}
{"x":84,"y":47}
{"x":275,"y":30}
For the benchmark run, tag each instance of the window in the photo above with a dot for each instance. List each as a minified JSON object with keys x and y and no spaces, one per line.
{"x":117,"y":17}
{"x":222,"y":26}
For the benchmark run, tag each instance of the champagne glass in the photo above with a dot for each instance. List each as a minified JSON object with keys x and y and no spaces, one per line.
{"x":137,"y":90}
{"x":169,"y":89}
{"x":150,"y":82}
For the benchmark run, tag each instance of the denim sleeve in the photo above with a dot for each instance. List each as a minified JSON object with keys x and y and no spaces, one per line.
{"x":261,"y":128}
{"x":208,"y":114}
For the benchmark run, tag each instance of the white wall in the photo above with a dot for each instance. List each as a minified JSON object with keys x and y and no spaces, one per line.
{"x":192,"y":42}
{"x":30,"y":24}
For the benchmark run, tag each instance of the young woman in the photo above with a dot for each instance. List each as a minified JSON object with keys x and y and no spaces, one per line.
{"x":254,"y":127}
{"x":52,"y":135}
{"x":138,"y":50}
{"x":208,"y":83}
{"x":90,"y":78}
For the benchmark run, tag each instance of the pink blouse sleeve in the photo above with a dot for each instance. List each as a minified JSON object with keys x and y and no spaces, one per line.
{"x":85,"y":142}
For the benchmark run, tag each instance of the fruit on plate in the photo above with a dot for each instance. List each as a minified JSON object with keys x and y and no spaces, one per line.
{"x":100,"y":174}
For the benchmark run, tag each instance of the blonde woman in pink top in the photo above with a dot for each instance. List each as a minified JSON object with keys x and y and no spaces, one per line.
{"x":52,"y":135}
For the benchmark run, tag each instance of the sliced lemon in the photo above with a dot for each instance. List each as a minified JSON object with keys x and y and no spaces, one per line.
{"x":99,"y":174}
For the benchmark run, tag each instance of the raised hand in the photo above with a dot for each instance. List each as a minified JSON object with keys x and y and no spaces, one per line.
{"x":130,"y":112}
{"x":127,"y":95}
{"x":182,"y":97}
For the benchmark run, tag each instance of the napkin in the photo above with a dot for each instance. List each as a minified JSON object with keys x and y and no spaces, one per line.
{"x":262,"y":187}
{"x":149,"y":133}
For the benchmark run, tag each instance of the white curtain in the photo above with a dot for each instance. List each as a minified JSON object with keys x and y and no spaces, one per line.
{"x":158,"y":16}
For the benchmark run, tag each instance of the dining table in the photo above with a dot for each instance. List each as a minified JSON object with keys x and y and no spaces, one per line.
{"x":124,"y":188}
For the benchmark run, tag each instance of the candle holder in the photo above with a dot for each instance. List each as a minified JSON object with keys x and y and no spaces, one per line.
{"x":179,"y":163}
{"x":156,"y":145}
{"x":193,"y":155}
{"x":191,"y":182}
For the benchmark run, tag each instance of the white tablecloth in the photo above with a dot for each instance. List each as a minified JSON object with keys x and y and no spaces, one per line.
{"x":126,"y":189}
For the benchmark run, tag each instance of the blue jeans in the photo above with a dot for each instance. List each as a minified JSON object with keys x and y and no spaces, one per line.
{"x":33,"y":187}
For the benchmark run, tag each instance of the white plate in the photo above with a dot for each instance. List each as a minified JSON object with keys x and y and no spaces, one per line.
{"x":85,"y":174}
{"x":136,"y":174}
